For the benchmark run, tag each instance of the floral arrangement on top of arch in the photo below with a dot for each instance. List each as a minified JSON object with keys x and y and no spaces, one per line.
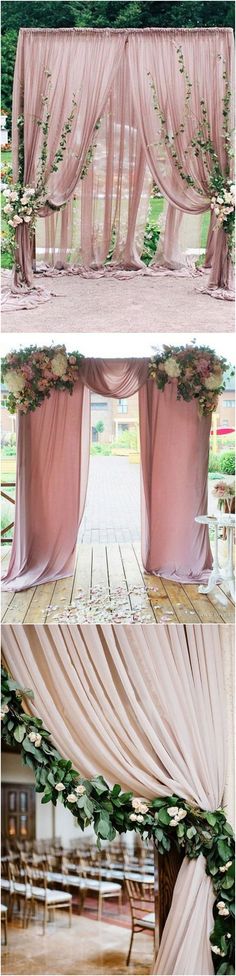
{"x":165,"y":819}
{"x":31,"y":374}
{"x":197,"y":370}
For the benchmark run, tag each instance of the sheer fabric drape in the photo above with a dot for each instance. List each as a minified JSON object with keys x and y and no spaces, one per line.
{"x":52,"y":473}
{"x":145,"y":707}
{"x":153,"y":56}
{"x":109,"y":73}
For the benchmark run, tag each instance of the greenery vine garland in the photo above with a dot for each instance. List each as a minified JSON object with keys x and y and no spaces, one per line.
{"x":111,"y":811}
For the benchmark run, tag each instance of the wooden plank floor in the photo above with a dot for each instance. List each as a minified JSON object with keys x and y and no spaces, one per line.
{"x":110,"y":585}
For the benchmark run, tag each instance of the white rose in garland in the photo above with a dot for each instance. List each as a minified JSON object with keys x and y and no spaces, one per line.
{"x":213,"y":381}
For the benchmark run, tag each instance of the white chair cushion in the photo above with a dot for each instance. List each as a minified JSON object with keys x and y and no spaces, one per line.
{"x":148,"y":920}
{"x":3,"y":909}
{"x":48,"y":895}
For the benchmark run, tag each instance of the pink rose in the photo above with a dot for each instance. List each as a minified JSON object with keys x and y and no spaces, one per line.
{"x":47,"y":374}
{"x":72,"y":360}
{"x":27,"y":371}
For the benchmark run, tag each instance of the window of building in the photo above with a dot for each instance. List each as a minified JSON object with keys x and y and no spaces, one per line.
{"x":122,"y":406}
{"x":99,"y":405}
{"x":228,"y":403}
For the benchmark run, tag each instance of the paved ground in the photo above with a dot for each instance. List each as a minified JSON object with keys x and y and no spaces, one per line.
{"x":139,"y":304}
{"x":112,"y":512}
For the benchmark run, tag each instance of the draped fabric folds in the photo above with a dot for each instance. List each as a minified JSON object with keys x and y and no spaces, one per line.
{"x":109,"y":73}
{"x":144,"y":707}
{"x":52,"y":473}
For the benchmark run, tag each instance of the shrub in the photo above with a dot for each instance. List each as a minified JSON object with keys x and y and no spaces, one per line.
{"x":227,"y":463}
{"x":214,"y":462}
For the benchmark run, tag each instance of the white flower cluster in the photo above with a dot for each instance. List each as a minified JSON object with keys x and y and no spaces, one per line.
{"x":59,"y":364}
{"x":15,"y":381}
{"x":140,"y":807}
{"x":72,"y":797}
{"x":36,"y":738}
{"x":224,"y":203}
{"x":4,"y":710}
{"x":19,"y":208}
{"x":176,"y":814}
{"x":221,"y":907}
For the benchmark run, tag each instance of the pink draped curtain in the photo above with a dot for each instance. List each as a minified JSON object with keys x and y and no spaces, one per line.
{"x":174,"y":483}
{"x":52,"y":471}
{"x":205,"y":52}
{"x":108,"y":71}
{"x":143,"y":707}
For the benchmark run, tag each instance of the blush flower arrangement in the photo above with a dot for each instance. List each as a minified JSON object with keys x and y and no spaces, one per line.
{"x":31,"y":374}
{"x":197,"y":371}
{"x":224,"y":491}
{"x":165,"y":819}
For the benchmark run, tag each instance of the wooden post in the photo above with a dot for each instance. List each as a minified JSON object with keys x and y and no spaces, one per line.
{"x":166,"y":869}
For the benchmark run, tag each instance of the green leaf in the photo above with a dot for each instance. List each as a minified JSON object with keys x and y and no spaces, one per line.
{"x":99,"y":785}
{"x":103,"y":828}
{"x":191,"y":832}
{"x":159,"y":834}
{"x":228,"y":882}
{"x":224,"y":850}
{"x":211,"y":819}
{"x":116,"y":790}
{"x":29,"y":747}
{"x":47,"y":797}
{"x":19,"y":733}
{"x":163,"y":816}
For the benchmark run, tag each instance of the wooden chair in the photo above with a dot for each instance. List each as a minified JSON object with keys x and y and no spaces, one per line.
{"x":43,"y":895}
{"x":4,"y":921}
{"x":19,"y":891}
{"x":141,"y":900}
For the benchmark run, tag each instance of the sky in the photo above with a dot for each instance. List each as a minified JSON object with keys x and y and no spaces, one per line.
{"x":119,"y":344}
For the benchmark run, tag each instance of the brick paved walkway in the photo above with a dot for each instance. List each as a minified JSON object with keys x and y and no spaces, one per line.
{"x":112,"y":512}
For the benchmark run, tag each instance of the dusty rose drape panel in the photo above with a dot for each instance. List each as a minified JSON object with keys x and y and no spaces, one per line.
{"x":52,"y":466}
{"x":144,"y":707}
{"x":174,"y":449}
{"x":204,"y":52}
{"x":51,"y":482}
{"x":81,"y":63}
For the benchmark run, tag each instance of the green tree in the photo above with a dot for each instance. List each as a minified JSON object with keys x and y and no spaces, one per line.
{"x":116,"y":14}
{"x":99,"y":427}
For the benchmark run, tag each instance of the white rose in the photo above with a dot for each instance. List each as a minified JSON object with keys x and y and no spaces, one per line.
{"x":133,"y":816}
{"x":59,"y":787}
{"x":224,"y":911}
{"x":226,"y":866}
{"x":213,"y":381}
{"x":24,"y":200}
{"x":14,"y":195}
{"x":173,"y":823}
{"x":181,"y":814}
{"x":139,"y":805}
{"x":30,"y":191}
{"x":38,"y":740}
{"x":72,"y":798}
{"x":8,"y":208}
{"x":15,"y":382}
{"x":59,"y":364}
{"x":172,"y":368}
{"x":80,"y":790}
{"x":216,"y":950}
{"x":4,"y":710}
{"x":27,"y":219}
{"x":7,"y":193}
{"x":221,"y":904}
{"x":139,"y":818}
{"x":32,"y":736}
{"x":172,"y":811}
{"x":220,"y":200}
{"x":217,"y":210}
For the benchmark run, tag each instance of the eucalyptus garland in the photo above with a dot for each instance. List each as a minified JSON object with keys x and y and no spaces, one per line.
{"x":111,"y":811}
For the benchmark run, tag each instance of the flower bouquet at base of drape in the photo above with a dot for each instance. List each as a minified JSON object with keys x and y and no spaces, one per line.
{"x":197,"y":371}
{"x":224,"y":491}
{"x":31,"y":374}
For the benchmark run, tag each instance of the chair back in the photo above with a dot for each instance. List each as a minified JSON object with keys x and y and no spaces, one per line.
{"x":141,"y":899}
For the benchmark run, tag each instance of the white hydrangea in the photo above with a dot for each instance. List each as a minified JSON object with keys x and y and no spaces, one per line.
{"x":59,"y":364}
{"x":172,"y":368}
{"x":15,"y":381}
{"x":213,"y":381}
